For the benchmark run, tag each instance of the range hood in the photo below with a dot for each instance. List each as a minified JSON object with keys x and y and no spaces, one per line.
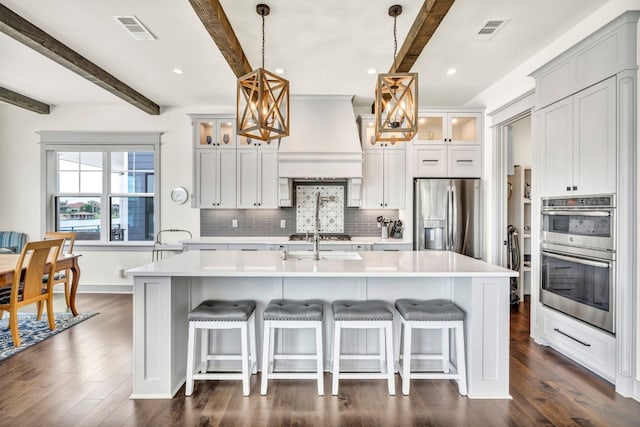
{"x":323,"y":141}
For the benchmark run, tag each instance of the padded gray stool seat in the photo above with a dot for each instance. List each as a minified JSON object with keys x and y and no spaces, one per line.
{"x":291,"y":314}
{"x":432,"y":314}
{"x":218,"y":314}
{"x":373,"y":314}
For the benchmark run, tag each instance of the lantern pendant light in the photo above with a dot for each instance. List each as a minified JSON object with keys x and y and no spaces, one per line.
{"x":263,"y":100}
{"x":396,"y":103}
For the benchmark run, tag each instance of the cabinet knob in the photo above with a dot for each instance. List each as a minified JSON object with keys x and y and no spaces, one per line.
{"x":575,"y":187}
{"x":254,"y":204}
{"x":259,"y":204}
{"x":385,"y":204}
{"x":381,"y":204}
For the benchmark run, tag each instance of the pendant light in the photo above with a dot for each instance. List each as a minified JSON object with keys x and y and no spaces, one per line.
{"x":396,"y":103}
{"x":263,"y":100}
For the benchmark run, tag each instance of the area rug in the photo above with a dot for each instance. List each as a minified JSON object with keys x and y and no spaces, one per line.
{"x":33,"y":331}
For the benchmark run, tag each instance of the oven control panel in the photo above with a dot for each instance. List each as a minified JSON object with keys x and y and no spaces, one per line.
{"x":578,"y":202}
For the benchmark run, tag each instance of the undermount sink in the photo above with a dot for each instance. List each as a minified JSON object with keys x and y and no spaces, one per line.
{"x":339,"y":255}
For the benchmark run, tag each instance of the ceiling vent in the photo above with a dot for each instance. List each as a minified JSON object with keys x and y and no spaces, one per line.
{"x":134,"y":27}
{"x":489,"y":29}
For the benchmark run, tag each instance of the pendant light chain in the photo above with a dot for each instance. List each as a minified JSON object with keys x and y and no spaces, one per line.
{"x":263,"y":41}
{"x":395,"y":43}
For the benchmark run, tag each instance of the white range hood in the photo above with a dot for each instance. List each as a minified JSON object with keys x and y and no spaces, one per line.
{"x":323,"y":141}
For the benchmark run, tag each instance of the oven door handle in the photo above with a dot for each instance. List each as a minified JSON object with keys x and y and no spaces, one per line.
{"x":577,"y":260}
{"x":577,"y":213}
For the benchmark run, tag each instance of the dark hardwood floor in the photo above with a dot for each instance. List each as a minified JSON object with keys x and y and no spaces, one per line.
{"x":82,"y":377}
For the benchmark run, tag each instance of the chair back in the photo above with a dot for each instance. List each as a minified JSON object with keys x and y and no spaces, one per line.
{"x":35,"y":256}
{"x":69,"y":238}
{"x":12,"y":241}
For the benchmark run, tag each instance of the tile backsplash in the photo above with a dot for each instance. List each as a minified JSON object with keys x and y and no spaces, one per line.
{"x":331,"y":210}
{"x":266,"y":222}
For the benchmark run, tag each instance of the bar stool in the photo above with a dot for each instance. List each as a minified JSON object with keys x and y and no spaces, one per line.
{"x":432,"y":314}
{"x":291,"y":314}
{"x":215,"y":315}
{"x":373,"y":314}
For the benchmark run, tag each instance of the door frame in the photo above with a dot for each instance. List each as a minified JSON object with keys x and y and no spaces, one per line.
{"x":502,"y":118}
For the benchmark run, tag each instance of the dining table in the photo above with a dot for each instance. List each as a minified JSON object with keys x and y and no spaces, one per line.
{"x":65,"y":262}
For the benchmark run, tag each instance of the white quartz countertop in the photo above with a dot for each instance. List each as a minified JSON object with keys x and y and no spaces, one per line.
{"x":280,"y":240}
{"x":270,"y":264}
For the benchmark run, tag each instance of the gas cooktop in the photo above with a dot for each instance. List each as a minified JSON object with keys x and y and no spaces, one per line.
{"x":326,"y":236}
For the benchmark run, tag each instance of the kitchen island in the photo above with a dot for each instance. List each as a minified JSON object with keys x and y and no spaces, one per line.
{"x":166,"y":290}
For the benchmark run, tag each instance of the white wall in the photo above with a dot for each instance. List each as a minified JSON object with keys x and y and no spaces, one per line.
{"x":20,"y":173}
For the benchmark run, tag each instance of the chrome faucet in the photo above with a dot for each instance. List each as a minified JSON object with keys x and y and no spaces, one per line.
{"x":316,"y":232}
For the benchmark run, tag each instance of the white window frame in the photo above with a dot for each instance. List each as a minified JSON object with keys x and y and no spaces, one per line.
{"x":52,"y":142}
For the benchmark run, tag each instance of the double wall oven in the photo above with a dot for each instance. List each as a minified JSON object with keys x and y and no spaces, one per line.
{"x":578,"y":258}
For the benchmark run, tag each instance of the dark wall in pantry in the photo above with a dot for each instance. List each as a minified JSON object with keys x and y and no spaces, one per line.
{"x":266,"y":222}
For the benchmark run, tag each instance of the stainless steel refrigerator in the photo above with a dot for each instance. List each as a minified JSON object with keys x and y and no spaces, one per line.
{"x":446,"y":215}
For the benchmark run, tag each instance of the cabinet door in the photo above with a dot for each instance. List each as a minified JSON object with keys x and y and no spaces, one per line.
{"x":372,"y":170}
{"x":247,"y":174}
{"x":594,"y":155}
{"x":226,"y":179}
{"x":267,"y":179}
{"x":226,"y":132}
{"x":394,"y":179}
{"x":431,"y":128}
{"x":430,"y":161}
{"x":465,"y":161}
{"x":206,"y":173}
{"x":214,"y":132}
{"x":556,"y":138}
{"x":463,"y":128}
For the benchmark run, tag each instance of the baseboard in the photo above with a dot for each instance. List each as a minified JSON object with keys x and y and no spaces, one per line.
{"x":101,"y":289}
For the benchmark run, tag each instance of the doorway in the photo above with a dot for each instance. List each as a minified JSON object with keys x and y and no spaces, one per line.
{"x":519,"y":173}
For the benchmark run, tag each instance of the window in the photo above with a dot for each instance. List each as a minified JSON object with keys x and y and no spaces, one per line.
{"x":102,"y":185}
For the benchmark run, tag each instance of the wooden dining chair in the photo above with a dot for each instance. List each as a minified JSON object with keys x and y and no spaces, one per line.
{"x":28,"y":288}
{"x":60,"y":277}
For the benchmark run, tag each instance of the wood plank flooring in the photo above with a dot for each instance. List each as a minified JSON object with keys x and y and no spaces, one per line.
{"x":82,"y":377}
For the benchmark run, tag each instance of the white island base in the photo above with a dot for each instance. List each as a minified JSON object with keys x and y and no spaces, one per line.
{"x":165,"y":291}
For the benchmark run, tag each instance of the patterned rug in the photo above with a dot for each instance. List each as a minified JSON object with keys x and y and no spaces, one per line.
{"x":33,"y":331}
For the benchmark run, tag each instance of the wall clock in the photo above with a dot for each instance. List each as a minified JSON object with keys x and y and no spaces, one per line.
{"x":179,"y":195}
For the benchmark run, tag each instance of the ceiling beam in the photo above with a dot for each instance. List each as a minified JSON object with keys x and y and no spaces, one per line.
{"x":25,"y":32}
{"x":427,"y":21}
{"x":217,"y":24}
{"x":22,"y":101}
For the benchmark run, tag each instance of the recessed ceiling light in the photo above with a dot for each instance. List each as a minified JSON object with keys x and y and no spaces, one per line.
{"x":451,"y":71}
{"x":279,"y":71}
{"x":178,"y":71}
{"x":372,"y":71}
{"x":422,"y":120}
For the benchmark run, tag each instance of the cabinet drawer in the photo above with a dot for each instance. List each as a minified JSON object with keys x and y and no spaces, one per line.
{"x":588,"y":346}
{"x":430,"y":161}
{"x":465,"y":161}
{"x":250,"y":247}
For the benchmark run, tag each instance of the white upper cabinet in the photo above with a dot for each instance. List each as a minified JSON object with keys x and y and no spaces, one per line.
{"x":257,"y":175}
{"x":214,"y":157}
{"x":384,"y":179}
{"x":367,"y":125}
{"x":216,"y":179}
{"x":578,"y":141}
{"x":449,"y":128}
{"x":214,"y":131}
{"x":384,"y":171}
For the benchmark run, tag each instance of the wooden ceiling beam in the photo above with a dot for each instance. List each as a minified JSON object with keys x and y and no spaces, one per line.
{"x":23,"y":101}
{"x":25,"y":32}
{"x":427,"y":21}
{"x":217,"y":24}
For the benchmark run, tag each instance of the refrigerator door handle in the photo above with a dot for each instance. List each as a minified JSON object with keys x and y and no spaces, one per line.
{"x":449,"y":235}
{"x":454,"y":218}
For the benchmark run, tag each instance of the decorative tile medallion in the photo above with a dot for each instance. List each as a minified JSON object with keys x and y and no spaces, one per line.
{"x":331,"y":208}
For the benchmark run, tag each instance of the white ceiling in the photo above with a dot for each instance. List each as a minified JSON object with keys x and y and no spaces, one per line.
{"x":325,"y":47}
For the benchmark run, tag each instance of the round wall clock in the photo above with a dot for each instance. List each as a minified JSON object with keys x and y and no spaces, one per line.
{"x":179,"y":195}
